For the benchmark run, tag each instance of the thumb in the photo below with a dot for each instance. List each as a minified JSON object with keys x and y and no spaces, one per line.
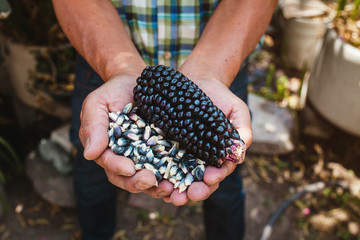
{"x":94,"y":124}
{"x":242,"y":122}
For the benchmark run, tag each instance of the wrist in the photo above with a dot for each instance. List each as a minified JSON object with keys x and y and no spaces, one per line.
{"x":203,"y":73}
{"x":123,"y":65}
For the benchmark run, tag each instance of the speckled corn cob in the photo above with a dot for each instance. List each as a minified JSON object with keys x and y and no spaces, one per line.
{"x":175,"y":104}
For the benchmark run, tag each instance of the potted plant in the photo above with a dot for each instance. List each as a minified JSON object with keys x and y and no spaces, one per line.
{"x":334,"y":84}
{"x":34,"y":48}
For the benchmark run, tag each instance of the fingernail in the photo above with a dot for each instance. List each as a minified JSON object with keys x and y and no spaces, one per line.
{"x":142,"y":186}
{"x":87,"y":145}
{"x":167,"y":199}
{"x":162,"y":194}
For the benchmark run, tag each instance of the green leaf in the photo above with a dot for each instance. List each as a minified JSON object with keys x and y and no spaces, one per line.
{"x":281,"y":86}
{"x":341,"y":5}
{"x":16,"y":161}
{"x":270,"y":75}
{"x":356,"y":9}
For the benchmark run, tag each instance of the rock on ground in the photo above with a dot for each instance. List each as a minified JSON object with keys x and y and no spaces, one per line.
{"x":274,"y":127}
{"x":50,"y":184}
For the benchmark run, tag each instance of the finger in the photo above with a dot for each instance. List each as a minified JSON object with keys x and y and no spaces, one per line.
{"x":120,"y":181}
{"x":141,"y":181}
{"x":94,"y":124}
{"x":215,"y":175}
{"x":116,"y":164}
{"x":165,"y":188}
{"x":213,"y":188}
{"x":167,"y":199}
{"x":246,"y":135}
{"x":198,"y":191}
{"x":178,"y":199}
{"x":242,"y":122}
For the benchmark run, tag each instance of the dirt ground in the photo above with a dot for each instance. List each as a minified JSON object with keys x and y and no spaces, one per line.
{"x":31,"y":217}
{"x":38,"y":219}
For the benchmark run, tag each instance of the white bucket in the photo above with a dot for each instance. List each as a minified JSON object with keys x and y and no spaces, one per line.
{"x":301,"y":39}
{"x":334,"y":84}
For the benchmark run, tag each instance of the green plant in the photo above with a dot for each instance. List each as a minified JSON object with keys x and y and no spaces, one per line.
{"x":9,"y":158}
{"x":32,"y":22}
{"x":341,"y":6}
{"x":346,"y":20}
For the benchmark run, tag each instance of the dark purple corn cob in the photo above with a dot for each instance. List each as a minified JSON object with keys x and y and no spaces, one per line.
{"x":182,"y":110}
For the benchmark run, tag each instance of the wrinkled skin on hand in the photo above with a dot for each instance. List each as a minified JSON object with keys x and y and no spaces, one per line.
{"x":113,"y":96}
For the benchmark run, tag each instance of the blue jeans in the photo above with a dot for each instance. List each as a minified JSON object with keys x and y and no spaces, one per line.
{"x":96,"y":196}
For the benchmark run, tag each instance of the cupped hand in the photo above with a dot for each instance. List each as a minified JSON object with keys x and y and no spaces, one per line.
{"x":237,"y":111}
{"x":112,"y":96}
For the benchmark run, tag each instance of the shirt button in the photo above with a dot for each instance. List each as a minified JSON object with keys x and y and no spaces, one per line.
{"x":167,"y":55}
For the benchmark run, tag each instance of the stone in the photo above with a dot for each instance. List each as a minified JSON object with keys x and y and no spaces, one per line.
{"x":153,"y":205}
{"x":52,"y":152}
{"x":62,"y":137}
{"x":49,"y":183}
{"x":5,"y":9}
{"x":274,"y":128}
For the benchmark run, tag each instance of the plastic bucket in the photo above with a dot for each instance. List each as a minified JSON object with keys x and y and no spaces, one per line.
{"x":334,"y":84}
{"x":301,"y":40}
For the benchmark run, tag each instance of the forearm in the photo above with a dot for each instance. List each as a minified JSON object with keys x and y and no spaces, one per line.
{"x":229,"y":37}
{"x":96,"y":31}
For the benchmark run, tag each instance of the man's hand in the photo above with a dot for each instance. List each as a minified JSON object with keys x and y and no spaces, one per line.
{"x":237,"y":111}
{"x":112,"y":96}
{"x":228,"y":38}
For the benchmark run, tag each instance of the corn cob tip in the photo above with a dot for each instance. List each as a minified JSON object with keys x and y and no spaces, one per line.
{"x":236,"y":151}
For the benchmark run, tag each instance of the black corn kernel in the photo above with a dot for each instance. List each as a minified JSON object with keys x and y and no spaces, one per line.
{"x":175,"y":104}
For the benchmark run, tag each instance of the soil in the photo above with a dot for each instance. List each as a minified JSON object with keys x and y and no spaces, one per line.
{"x":31,"y":217}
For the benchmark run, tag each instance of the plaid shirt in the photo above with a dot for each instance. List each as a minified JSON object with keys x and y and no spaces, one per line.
{"x":165,"y":32}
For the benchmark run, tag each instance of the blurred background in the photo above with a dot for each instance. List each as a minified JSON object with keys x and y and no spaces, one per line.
{"x":302,"y":171}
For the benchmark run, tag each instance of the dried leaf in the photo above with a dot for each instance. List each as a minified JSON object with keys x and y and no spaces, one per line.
{"x":322,"y":222}
{"x":354,"y":228}
{"x":2,"y":228}
{"x":169,"y":233}
{"x":31,"y":222}
{"x":120,"y":234}
{"x":68,"y":226}
{"x":5,"y":235}
{"x":21,"y":220}
{"x":35,"y":208}
{"x":42,"y":221}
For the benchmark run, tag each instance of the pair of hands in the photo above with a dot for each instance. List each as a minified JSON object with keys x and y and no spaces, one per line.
{"x":113,"y":96}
